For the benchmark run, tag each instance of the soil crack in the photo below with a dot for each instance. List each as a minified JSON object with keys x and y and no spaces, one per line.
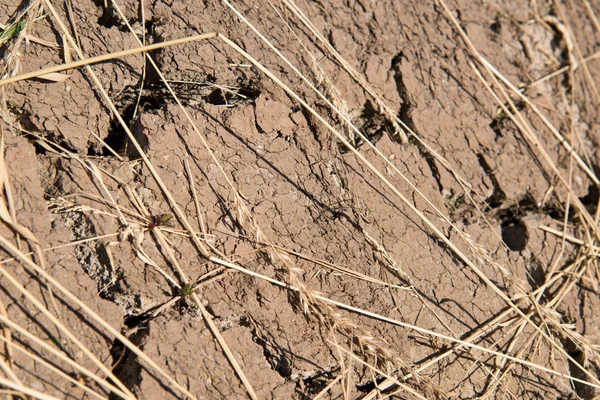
{"x":405,"y":115}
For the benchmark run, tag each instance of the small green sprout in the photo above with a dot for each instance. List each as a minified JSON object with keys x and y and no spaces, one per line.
{"x":12,"y":31}
{"x":188,"y":290}
{"x":56,"y":340}
{"x":160,"y":220}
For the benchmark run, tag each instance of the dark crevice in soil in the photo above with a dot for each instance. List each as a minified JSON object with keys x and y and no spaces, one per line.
{"x":152,"y":36}
{"x":435,"y":172}
{"x":536,"y":276}
{"x":314,"y":128}
{"x":128,"y":368}
{"x":372,"y":385}
{"x":583,"y":391}
{"x":370,"y":123}
{"x":496,"y":26}
{"x":223,"y":97}
{"x":501,"y":124}
{"x":374,"y":125}
{"x":117,"y":138}
{"x":154,"y":96}
{"x":273,"y":353}
{"x":109,"y":17}
{"x":496,"y":126}
{"x":207,"y":88}
{"x":590,"y":200}
{"x":404,"y":114}
{"x":559,"y":42}
{"x":316,"y":383}
{"x":514,"y":230}
{"x":498,"y":195}
{"x":514,"y":234}
{"x":405,"y":108}
{"x":510,"y":214}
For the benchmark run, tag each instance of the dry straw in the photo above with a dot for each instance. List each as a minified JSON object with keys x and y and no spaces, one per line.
{"x":534,"y":314}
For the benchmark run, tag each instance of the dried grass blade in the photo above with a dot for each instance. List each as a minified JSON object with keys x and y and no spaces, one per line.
{"x":18,"y":255}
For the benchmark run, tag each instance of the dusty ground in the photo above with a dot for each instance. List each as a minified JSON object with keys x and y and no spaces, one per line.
{"x":306,"y":193}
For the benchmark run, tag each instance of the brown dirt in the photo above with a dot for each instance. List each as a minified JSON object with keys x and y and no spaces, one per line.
{"x":306,"y":193}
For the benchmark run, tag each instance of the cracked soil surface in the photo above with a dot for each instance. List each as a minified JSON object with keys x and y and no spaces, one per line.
{"x":306,"y":192}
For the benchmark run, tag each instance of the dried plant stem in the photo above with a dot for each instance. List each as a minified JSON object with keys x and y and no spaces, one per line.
{"x":412,"y":327}
{"x":21,"y":389}
{"x":62,"y":329}
{"x":378,"y":371}
{"x":52,"y":350}
{"x":62,"y":374}
{"x":105,"y":57}
{"x":324,"y":308}
{"x":409,"y":204}
{"x":24,"y":260}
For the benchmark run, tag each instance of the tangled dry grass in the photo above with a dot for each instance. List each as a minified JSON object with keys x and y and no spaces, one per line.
{"x":529,"y":333}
